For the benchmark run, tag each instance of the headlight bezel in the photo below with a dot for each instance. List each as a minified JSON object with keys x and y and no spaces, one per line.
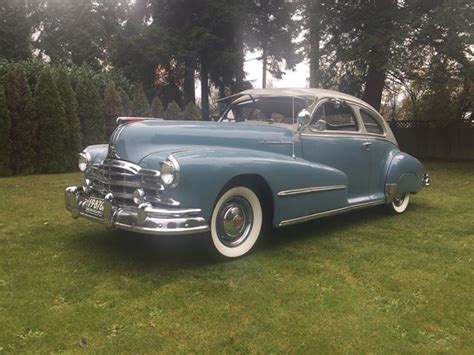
{"x":84,"y":160}
{"x":170,"y":172}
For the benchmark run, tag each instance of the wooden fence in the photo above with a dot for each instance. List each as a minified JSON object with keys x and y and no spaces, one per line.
{"x":456,"y":141}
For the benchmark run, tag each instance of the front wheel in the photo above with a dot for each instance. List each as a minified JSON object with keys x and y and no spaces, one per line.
{"x":236,"y":222}
{"x":400,"y":203}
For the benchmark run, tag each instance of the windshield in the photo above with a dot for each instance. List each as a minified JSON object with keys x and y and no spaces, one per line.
{"x":271,"y":109}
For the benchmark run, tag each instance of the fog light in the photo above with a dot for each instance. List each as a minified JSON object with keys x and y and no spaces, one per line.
{"x":138,"y":196}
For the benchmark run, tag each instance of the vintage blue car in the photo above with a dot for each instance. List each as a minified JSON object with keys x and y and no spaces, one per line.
{"x":281,"y":156}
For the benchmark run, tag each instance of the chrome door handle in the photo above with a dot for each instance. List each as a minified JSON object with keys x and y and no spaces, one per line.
{"x":367,"y":145}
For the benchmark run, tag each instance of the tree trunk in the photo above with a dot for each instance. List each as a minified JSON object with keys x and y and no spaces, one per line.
{"x":204,"y":91}
{"x":378,"y":56}
{"x":315,"y":38}
{"x":374,"y":84}
{"x":188,"y":85}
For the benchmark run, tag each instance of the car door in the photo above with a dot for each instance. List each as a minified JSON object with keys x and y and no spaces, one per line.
{"x":380,"y":151}
{"x":334,"y":138}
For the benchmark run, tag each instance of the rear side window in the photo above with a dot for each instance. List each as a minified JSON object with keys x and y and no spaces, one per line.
{"x":371,"y":124}
{"x":332,"y":116}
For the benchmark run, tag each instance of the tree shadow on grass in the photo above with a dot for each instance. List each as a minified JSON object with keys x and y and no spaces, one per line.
{"x":191,"y":251}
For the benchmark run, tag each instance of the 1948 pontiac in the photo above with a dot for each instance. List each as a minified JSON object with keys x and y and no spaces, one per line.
{"x":282,"y":155}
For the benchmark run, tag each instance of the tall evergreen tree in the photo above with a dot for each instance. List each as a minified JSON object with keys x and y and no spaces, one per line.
{"x":140,"y":105}
{"x":113,"y":108}
{"x":126,"y":102}
{"x":272,"y":32}
{"x":73,"y":126}
{"x":5,"y":142}
{"x":90,"y":112}
{"x":157,"y":109}
{"x":51,"y":125}
{"x":191,"y":112}
{"x":23,"y":129}
{"x":173,"y":111}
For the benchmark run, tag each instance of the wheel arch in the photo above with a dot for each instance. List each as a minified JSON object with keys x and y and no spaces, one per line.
{"x":263,"y":190}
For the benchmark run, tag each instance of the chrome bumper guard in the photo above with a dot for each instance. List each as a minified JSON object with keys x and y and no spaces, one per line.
{"x":145,"y":219}
{"x":426,"y":180}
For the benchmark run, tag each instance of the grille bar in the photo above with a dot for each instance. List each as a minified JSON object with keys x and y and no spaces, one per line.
{"x":122,"y":178}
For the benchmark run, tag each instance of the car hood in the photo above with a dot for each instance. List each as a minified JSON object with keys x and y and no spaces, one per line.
{"x":135,"y":141}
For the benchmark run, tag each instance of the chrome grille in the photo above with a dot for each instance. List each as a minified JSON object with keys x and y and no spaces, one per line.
{"x":122,"y":179}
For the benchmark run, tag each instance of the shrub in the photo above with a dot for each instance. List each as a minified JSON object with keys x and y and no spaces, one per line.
{"x":23,"y":124}
{"x":72,"y":136}
{"x":51,"y":125}
{"x":112,"y":108}
{"x":173,"y":111}
{"x":126,"y":102}
{"x":191,"y":112}
{"x":5,"y":130}
{"x":140,"y":105}
{"x":157,"y":109}
{"x":90,"y":112}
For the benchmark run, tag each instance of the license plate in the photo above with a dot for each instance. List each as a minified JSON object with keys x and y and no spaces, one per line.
{"x":95,"y":207}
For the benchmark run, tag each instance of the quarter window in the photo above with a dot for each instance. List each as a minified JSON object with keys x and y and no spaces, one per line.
{"x":334,"y":116}
{"x":371,"y":124}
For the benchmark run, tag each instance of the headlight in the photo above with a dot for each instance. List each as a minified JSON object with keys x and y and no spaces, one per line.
{"x":170,"y":171}
{"x":84,"y":160}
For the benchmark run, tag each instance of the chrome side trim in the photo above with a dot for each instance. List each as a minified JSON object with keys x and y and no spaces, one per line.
{"x":307,"y":190}
{"x":329,"y":213}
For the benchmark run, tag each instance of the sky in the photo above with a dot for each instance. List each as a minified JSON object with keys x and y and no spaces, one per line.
{"x":253,"y":68}
{"x":297,"y":78}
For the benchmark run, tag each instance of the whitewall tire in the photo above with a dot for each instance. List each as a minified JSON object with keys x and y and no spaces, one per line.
{"x":236,"y":222}
{"x":400,"y":204}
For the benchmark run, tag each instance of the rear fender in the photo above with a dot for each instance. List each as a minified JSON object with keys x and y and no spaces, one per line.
{"x":405,"y":175}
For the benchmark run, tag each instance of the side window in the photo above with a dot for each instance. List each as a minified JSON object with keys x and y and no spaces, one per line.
{"x":371,"y":124}
{"x":334,"y":116}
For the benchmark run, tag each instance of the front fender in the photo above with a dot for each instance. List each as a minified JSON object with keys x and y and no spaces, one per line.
{"x":206,"y":171}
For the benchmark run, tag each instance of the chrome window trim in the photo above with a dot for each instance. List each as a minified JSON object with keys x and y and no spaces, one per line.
{"x":306,"y":190}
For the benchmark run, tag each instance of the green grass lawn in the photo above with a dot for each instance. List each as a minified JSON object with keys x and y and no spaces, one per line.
{"x":361,"y":282}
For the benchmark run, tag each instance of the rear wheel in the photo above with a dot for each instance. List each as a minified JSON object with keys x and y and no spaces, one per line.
{"x":236,"y":222}
{"x":400,"y":203}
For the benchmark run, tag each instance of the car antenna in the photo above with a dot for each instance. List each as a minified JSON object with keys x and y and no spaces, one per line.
{"x":293,"y":140}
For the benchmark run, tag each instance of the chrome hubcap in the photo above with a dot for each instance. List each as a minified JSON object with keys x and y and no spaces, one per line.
{"x":234,"y":221}
{"x":397,"y":201}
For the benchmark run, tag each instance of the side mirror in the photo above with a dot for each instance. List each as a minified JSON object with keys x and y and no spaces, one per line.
{"x":303,"y":118}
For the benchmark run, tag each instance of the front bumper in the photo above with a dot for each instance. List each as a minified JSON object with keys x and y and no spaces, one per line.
{"x":144,"y":219}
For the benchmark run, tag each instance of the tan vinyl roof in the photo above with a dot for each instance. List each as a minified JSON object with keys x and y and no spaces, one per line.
{"x":317,"y":93}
